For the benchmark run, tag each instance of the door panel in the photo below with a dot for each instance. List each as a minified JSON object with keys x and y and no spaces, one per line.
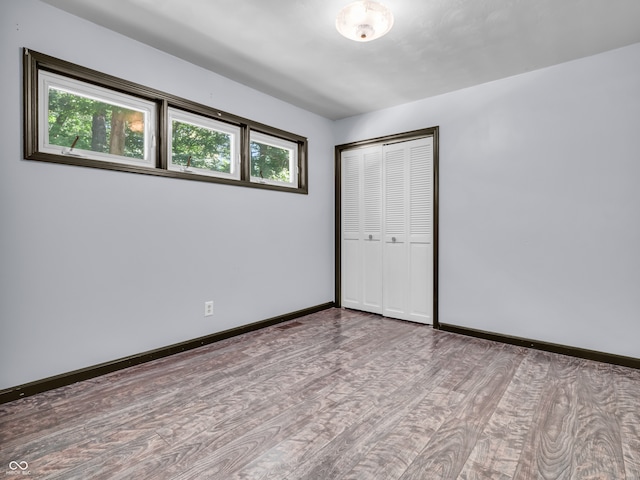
{"x":420,"y":282}
{"x":395,"y":280}
{"x":351,"y":274}
{"x":372,"y":276}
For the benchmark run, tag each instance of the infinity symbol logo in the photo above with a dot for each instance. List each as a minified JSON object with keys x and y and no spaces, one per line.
{"x":21,"y":465}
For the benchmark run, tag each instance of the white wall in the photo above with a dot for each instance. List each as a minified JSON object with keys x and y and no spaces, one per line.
{"x":98,"y":265}
{"x":539,"y":201}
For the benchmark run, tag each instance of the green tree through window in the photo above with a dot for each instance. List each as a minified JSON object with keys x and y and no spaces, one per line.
{"x":208,"y":149}
{"x":99,"y":126}
{"x":270,"y":163}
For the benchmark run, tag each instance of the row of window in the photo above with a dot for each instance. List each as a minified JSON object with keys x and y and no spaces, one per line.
{"x":78,"y":116}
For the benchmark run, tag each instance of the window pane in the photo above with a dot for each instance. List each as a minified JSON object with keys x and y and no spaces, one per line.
{"x":206,"y":148}
{"x":269,"y":162}
{"x":85,"y":123}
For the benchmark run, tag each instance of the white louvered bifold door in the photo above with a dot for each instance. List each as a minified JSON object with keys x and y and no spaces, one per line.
{"x":372,"y":230}
{"x":387,"y":229}
{"x":420,"y":231}
{"x":350,"y":242}
{"x":395,"y":225}
{"x":408,"y":215}
{"x":361,"y":266}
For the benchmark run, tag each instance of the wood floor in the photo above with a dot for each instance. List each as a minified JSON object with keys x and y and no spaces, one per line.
{"x":336,"y":395}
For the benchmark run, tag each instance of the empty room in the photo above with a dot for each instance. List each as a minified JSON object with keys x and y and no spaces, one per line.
{"x":320,"y":239}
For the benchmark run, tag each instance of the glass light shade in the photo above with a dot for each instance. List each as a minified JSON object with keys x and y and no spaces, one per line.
{"x":364,"y":20}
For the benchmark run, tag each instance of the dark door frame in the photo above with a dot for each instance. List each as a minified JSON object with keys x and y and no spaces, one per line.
{"x":399,"y":137}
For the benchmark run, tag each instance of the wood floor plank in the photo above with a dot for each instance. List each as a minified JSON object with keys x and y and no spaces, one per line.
{"x":500,"y":445}
{"x":116,"y":452}
{"x":388,"y":405}
{"x":398,"y":447}
{"x":445,"y":455}
{"x":548,"y":451}
{"x":598,"y":445}
{"x":480,"y":473}
{"x":337,"y":395}
{"x":627,"y":385}
{"x":394,"y":451}
{"x":238,"y":423}
{"x":348,"y":394}
{"x":237,"y":405}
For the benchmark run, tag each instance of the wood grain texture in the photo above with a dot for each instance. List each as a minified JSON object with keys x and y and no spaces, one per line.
{"x":548,"y":452}
{"x":598,"y":444}
{"x":337,"y":395}
{"x":447,"y":452}
{"x":499,"y":447}
{"x":626,"y":383}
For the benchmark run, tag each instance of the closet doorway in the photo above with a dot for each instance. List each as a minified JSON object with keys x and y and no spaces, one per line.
{"x":387,"y":226}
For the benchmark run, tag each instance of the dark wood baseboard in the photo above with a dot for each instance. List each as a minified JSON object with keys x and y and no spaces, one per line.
{"x":546,"y":346}
{"x":50,"y":383}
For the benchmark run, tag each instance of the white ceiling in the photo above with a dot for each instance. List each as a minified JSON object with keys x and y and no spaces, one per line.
{"x":290,"y":49}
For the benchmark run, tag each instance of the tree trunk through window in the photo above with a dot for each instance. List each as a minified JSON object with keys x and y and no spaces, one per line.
{"x":98,"y":132}
{"x":262,"y":160}
{"x":116,"y":142}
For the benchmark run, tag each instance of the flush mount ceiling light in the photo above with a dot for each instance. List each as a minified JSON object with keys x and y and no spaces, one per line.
{"x":364,"y":20}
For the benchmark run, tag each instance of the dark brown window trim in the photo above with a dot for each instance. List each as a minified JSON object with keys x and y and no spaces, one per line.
{"x":35,"y":61}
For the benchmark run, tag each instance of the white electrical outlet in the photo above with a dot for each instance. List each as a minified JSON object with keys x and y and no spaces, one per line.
{"x":208,"y":308}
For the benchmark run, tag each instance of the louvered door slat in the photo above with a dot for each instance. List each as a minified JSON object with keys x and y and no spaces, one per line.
{"x":394,"y":222}
{"x":350,"y":196}
{"x":421,"y":192}
{"x":372,"y":194}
